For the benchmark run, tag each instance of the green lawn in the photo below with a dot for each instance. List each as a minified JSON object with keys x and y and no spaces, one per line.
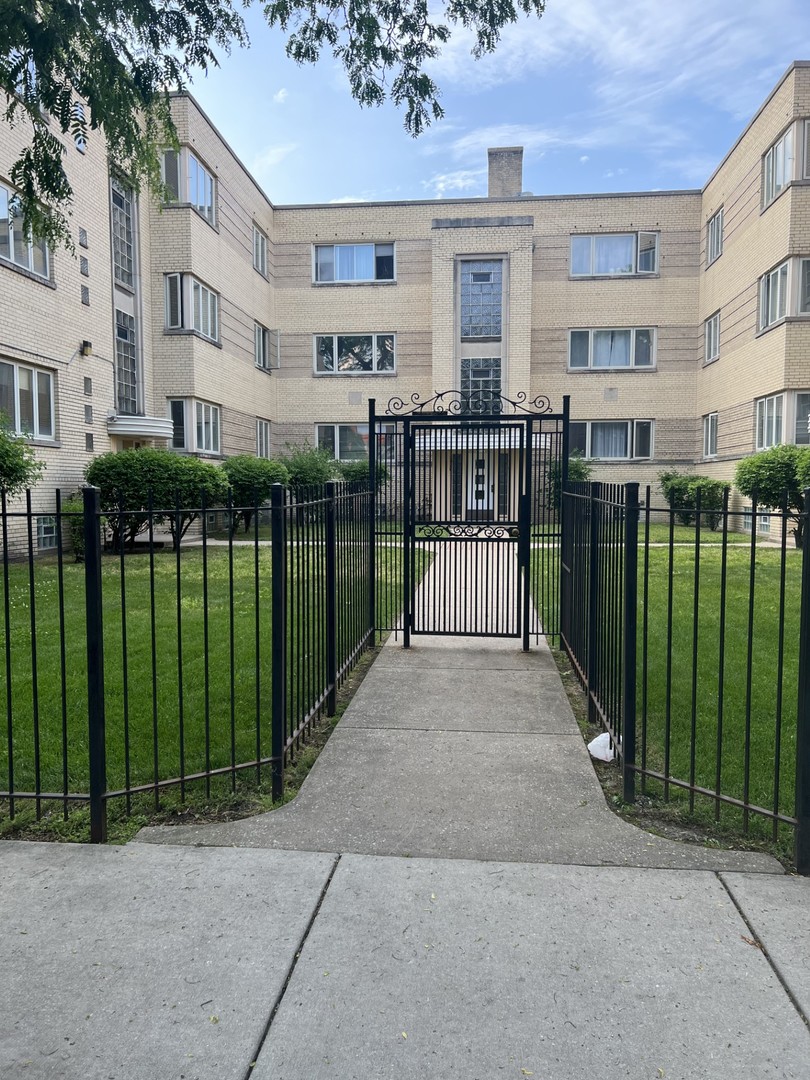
{"x":197,"y":713}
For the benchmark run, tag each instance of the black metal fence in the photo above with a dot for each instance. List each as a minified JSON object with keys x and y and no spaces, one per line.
{"x":692,"y":643}
{"x":140,"y":670}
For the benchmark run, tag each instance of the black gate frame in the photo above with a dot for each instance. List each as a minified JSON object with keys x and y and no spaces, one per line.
{"x":467,"y":408}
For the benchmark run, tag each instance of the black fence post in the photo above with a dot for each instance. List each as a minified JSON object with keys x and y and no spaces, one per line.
{"x":408,"y":542}
{"x":97,"y":750}
{"x":372,"y":531}
{"x":803,"y":718}
{"x":331,"y":600}
{"x":630,"y":633}
{"x":278,"y":534}
{"x":594,"y":607}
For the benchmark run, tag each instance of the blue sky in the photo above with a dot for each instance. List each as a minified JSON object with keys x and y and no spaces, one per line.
{"x":631,"y":95}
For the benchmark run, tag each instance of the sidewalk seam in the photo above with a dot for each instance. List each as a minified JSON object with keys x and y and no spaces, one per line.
{"x":774,"y":966}
{"x":290,"y":972}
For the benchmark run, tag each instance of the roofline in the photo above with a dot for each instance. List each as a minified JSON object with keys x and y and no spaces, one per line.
{"x":487,"y":201}
{"x":227,"y":145}
{"x":792,"y":67}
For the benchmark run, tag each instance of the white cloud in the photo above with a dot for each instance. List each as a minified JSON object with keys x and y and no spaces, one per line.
{"x":281,"y":96}
{"x":471,"y":181}
{"x":584,"y":159}
{"x":266,"y":161}
{"x":348,"y":199}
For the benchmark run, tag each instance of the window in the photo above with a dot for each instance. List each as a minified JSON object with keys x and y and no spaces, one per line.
{"x":126,"y":371}
{"x":207,"y":427}
{"x":773,"y":288}
{"x":190,"y":305}
{"x":259,"y":251}
{"x":612,"y":439}
{"x":188,"y":181}
{"x":777,"y":170}
{"x":46,"y":532}
{"x":481,"y":299}
{"x":26,"y":399}
{"x":345,"y":442}
{"x":480,"y":383}
{"x":354,"y":354}
{"x":78,"y":125}
{"x":15,"y":245}
{"x":197,"y":417}
{"x":611,"y":348}
{"x":614,"y":254}
{"x":804,"y":285}
{"x":123,"y":248}
{"x":263,"y":438}
{"x":354,"y":262}
{"x":711,"y":338}
{"x":261,"y":350}
{"x":763,"y":521}
{"x":714,"y":238}
{"x":710,"y":435}
{"x":802,"y":428}
{"x":769,"y":421}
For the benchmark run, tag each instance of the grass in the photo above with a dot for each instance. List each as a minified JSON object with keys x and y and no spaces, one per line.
{"x":669,"y":733}
{"x":169,"y":712}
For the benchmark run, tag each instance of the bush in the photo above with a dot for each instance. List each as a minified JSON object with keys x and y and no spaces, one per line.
{"x":356,"y":472}
{"x":73,"y":526}
{"x":19,"y":466}
{"x":251,"y":480}
{"x":309,"y":466}
{"x":777,"y":476}
{"x":579,"y":472}
{"x":128,"y":478}
{"x":680,"y":491}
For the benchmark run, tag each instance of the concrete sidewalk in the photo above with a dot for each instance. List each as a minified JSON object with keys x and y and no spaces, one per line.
{"x":447,"y":897}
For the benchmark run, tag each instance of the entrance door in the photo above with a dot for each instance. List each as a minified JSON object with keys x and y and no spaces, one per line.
{"x":480,"y":486}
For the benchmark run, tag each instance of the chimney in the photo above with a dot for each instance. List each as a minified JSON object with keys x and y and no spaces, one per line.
{"x":505,"y":171}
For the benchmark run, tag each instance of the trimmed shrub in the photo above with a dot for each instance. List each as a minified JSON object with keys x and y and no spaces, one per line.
{"x":680,"y":490}
{"x":309,"y":466}
{"x":19,"y":466}
{"x":251,"y":480}
{"x":777,"y":476}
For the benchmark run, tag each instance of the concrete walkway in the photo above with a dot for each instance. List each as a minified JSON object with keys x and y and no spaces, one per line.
{"x":447,"y":897}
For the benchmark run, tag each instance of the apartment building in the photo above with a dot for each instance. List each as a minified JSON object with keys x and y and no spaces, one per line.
{"x":216,"y":324}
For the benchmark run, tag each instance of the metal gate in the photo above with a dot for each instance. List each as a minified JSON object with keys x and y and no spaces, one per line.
{"x":467,"y":514}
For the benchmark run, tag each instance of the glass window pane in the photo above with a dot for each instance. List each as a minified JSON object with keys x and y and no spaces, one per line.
{"x":326,"y":438}
{"x":26,"y":397}
{"x":783,"y":277}
{"x":40,"y":258}
{"x":577,"y":436}
{"x":44,"y":411}
{"x":803,"y":419}
{"x":385,"y":352}
{"x":804,"y":285}
{"x":581,"y":255}
{"x":644,"y":352}
{"x":647,"y":253}
{"x":215,"y":429}
{"x":611,"y":348}
{"x":354,"y":352}
{"x":200,"y":427}
{"x":21,"y":256}
{"x":643,"y":439}
{"x":5,"y":234}
{"x":614,"y":254}
{"x":325,"y":263}
{"x":178,"y":412}
{"x":354,"y":262}
{"x":171,"y":174}
{"x":578,"y":353}
{"x":384,"y":262}
{"x":352,"y":442}
{"x":609,"y":439}
{"x":8,"y":405}
{"x":324,"y":353}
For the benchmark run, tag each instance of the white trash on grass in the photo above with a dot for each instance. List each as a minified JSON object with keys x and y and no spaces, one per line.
{"x":601,"y":748}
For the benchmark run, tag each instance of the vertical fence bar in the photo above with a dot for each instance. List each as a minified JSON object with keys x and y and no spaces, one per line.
{"x":331,"y":601}
{"x":407,"y":539}
{"x":630,"y":643}
{"x":372,"y":528}
{"x":693,"y":704}
{"x":7,"y":650}
{"x":95,"y":665}
{"x":525,"y":529}
{"x":721,"y":659}
{"x":803,"y":718}
{"x":32,"y":611}
{"x":593,"y":597}
{"x":278,"y":530}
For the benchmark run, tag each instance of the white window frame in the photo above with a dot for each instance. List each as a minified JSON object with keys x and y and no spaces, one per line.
{"x":193,"y":298}
{"x":632,"y":426}
{"x":763,"y":520}
{"x":361,"y":430}
{"x":188,"y":186}
{"x":15,"y":421}
{"x":210,"y":417}
{"x":714,"y":237}
{"x":354,"y":280}
{"x":8,"y":195}
{"x":124,"y":277}
{"x":632,"y":330}
{"x":47,"y":535}
{"x":711,"y":338}
{"x":774,"y":288}
{"x":259,"y":251}
{"x":794,"y":418}
{"x":778,"y":166}
{"x":262,"y":438}
{"x":634,"y":271}
{"x":802,"y":295}
{"x":766,"y":413}
{"x":261,"y":346}
{"x":710,"y":435}
{"x":354,"y":374}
